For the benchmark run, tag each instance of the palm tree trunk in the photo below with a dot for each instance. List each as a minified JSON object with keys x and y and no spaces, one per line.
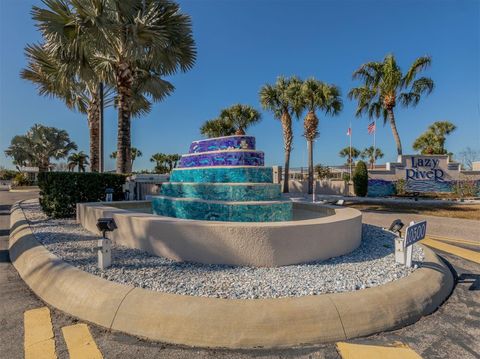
{"x":310,"y":132}
{"x":287,"y":139}
{"x":396,"y":136}
{"x":124,"y":90}
{"x":310,"y":166}
{"x":93,"y":114}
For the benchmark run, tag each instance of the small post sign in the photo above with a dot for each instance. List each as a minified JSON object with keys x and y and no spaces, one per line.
{"x":415,"y":232}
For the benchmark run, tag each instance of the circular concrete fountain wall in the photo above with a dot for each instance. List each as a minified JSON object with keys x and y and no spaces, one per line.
{"x":315,"y":233}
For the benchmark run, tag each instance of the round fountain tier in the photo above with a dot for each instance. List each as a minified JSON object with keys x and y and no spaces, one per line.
{"x":223,"y":179}
{"x":238,"y":211}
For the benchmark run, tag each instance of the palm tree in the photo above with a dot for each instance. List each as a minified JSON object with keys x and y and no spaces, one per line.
{"x":78,"y":159}
{"x":372,"y":154}
{"x":284,"y":100}
{"x":317,"y":95}
{"x":136,"y":43}
{"x":384,"y":84}
{"x":217,"y":127}
{"x":135,"y":152}
{"x":165,"y":163}
{"x":241,"y":117}
{"x":432,"y":141}
{"x":39,"y":145}
{"x":54,"y":77}
{"x":349,"y":154}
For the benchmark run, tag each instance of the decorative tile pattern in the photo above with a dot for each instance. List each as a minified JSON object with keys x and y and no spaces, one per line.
{"x":218,"y":211}
{"x":223,"y":174}
{"x":223,"y":143}
{"x":380,"y":188}
{"x":218,"y":182}
{"x":223,"y":158}
{"x":223,"y":192}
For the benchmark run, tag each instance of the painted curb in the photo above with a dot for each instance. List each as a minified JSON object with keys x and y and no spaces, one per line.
{"x":229,"y":323}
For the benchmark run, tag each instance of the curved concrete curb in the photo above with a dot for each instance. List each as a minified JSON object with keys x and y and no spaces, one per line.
{"x":210,"y":322}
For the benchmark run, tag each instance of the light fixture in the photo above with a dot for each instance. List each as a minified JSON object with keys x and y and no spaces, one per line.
{"x":106,"y":225}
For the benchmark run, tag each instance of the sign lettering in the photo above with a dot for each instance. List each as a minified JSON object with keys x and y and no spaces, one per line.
{"x":415,"y":232}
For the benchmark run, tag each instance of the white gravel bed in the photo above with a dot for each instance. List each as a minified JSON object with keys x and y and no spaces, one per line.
{"x":372,"y":264}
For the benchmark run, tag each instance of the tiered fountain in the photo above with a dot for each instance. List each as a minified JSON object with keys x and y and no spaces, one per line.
{"x":223,"y":179}
{"x":222,"y":207}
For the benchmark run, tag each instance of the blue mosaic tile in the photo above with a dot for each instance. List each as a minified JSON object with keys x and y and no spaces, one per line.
{"x":223,"y":192}
{"x":223,"y":174}
{"x":223,"y":143}
{"x":217,"y":211}
{"x":227,"y":158}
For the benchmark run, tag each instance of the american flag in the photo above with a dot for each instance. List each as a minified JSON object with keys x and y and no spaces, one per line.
{"x":349,"y":132}
{"x":371,"y":128}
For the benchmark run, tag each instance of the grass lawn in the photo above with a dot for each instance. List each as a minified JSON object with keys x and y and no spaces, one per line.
{"x":452,"y":210}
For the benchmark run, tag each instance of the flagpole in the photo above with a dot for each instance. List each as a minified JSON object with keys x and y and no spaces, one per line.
{"x":374,"y":144}
{"x":350,"y":150}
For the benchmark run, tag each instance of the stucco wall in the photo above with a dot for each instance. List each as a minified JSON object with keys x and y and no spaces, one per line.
{"x":318,"y":232}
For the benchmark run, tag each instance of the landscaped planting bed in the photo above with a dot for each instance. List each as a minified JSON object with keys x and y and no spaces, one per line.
{"x":372,"y":264}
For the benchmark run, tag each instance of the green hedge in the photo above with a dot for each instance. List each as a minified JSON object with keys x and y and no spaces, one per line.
{"x":61,"y":191}
{"x":360,"y":179}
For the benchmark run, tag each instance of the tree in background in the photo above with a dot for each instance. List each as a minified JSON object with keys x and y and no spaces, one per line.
{"x":284,"y":100}
{"x":323,"y":172}
{"x":137,"y":43}
{"x":218,"y":127}
{"x":345,"y":153}
{"x":317,"y":95}
{"x":360,"y":179}
{"x":165,"y":163}
{"x":371,"y":154}
{"x":384,"y":84}
{"x":39,"y":145}
{"x":241,"y":117}
{"x":468,"y":156}
{"x":432,"y":141}
{"x":78,"y":159}
{"x":135,"y":152}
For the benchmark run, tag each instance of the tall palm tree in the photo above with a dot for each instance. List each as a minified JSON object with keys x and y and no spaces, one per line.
{"x":39,"y":145}
{"x":350,"y":154}
{"x":217,"y":127}
{"x":241,"y":117}
{"x":432,"y":141}
{"x":56,"y":78}
{"x":317,"y":95}
{"x":165,"y":163}
{"x":372,"y":154}
{"x":384,"y":84}
{"x":284,"y":100}
{"x":78,"y":159}
{"x":136,"y":43}
{"x":135,"y":152}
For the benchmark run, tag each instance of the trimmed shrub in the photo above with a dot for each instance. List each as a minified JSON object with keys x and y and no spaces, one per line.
{"x":61,"y":191}
{"x":360,"y":179}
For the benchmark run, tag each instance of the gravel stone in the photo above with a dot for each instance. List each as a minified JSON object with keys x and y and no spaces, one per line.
{"x":371,"y":265}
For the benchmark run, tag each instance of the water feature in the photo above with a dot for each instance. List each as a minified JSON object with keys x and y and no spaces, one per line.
{"x":223,"y":179}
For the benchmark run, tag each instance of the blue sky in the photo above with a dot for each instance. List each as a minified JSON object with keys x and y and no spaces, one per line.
{"x":245,"y":44}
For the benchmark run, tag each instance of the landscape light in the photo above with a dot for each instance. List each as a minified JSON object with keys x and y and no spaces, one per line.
{"x":106,"y":225}
{"x":396,"y":226}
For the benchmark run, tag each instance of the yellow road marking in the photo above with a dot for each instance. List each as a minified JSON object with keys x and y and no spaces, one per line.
{"x":39,"y":341}
{"x":460,"y":252}
{"x":454,"y":240}
{"x":360,"y":351}
{"x":80,"y":343}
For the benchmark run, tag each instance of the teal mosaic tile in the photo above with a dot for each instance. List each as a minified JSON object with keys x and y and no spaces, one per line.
{"x":223,"y":174}
{"x":217,"y":211}
{"x":223,"y":192}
